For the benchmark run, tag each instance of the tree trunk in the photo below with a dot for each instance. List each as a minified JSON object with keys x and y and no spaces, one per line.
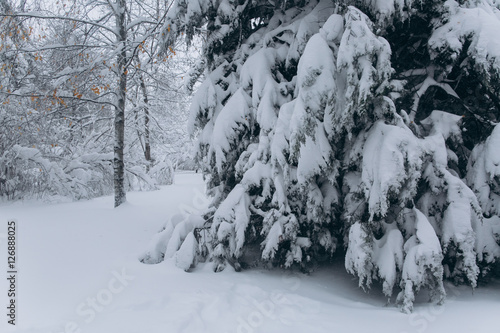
{"x":147,"y":145}
{"x":119,"y":165}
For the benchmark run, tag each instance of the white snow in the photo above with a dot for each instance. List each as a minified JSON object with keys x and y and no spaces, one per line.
{"x":484,"y":166}
{"x":363,"y":66}
{"x":388,"y":257}
{"x":392,"y":157}
{"x":462,"y":214}
{"x":185,"y":257}
{"x":422,"y":265}
{"x":315,"y":86}
{"x":480,"y":25}
{"x":257,"y":71}
{"x":443,"y":123}
{"x":308,"y":26}
{"x":71,"y":254}
{"x":233,"y":215}
{"x":386,"y":8}
{"x":272,"y":240}
{"x":357,"y":259}
{"x":230,"y":122}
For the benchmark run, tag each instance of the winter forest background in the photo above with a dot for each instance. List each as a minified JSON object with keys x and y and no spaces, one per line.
{"x":365,"y":130}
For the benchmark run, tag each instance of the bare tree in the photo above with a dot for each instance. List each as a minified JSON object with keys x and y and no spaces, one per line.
{"x":99,"y":32}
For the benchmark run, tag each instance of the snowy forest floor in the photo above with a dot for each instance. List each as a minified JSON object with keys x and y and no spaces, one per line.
{"x":79,"y":272}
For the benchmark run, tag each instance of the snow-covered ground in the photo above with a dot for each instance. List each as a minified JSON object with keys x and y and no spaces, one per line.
{"x":79,"y":272}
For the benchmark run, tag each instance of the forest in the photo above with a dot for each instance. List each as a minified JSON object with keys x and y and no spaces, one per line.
{"x":90,"y":103}
{"x":352,"y":131}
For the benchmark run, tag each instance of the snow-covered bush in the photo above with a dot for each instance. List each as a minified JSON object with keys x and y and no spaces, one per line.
{"x":354,"y":124}
{"x":171,"y":241}
{"x":27,"y":173}
{"x":162,"y":172}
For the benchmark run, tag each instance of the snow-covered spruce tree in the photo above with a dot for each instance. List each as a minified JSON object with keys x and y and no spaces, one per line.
{"x":356,"y":127}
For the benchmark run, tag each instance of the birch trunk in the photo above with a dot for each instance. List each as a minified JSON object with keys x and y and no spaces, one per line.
{"x":119,"y":165}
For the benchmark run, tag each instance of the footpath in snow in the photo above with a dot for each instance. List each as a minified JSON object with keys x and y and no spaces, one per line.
{"x":78,"y":272}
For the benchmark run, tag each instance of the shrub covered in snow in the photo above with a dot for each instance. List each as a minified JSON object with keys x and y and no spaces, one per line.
{"x":31,"y":173}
